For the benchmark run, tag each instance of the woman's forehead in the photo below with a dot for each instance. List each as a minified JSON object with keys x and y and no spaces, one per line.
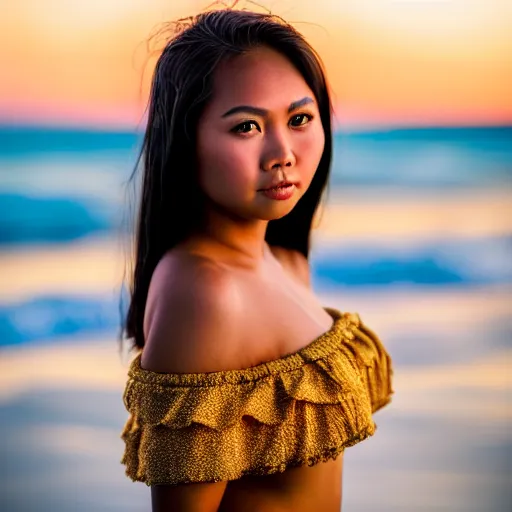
{"x":261,"y":78}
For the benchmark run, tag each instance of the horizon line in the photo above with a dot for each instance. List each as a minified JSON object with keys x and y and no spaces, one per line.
{"x":356,"y":128}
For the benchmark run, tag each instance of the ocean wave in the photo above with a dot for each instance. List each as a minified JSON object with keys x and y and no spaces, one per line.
{"x":473,"y":261}
{"x":57,"y":185}
{"x":443,"y":265}
{"x":432,"y":158}
{"x":54,"y":317}
{"x":27,"y":219}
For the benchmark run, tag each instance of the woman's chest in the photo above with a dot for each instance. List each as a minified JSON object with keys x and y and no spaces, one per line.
{"x":282,"y":317}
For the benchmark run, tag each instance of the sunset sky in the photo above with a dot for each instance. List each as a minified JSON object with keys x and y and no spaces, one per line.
{"x":390,"y":62}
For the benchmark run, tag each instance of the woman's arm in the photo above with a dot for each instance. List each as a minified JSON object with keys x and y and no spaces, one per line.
{"x":202,"y":497}
{"x":192,"y":325}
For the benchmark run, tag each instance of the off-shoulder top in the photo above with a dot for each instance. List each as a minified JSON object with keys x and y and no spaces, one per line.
{"x":301,"y":409}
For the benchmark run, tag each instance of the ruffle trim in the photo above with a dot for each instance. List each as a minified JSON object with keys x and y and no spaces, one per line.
{"x":333,"y":384}
{"x":141,"y":473}
{"x":343,"y":357}
{"x":270,"y":401}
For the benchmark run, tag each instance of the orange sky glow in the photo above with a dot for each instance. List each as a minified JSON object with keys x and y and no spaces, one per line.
{"x":389,"y":62}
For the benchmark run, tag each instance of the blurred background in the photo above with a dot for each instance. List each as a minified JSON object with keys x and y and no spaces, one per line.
{"x":415,"y":237}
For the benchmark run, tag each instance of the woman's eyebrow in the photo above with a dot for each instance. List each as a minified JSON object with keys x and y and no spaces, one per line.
{"x":261,"y":112}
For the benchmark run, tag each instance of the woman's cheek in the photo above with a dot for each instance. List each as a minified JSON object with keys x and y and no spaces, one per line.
{"x":232,"y":161}
{"x":310,"y":148}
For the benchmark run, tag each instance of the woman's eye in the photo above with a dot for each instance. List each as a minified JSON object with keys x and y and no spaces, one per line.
{"x":245,"y":127}
{"x":300,"y":119}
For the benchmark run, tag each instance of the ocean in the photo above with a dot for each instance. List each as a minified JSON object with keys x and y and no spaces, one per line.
{"x":60,"y":187}
{"x":416,"y":237}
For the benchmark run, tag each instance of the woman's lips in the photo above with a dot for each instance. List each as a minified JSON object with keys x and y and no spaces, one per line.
{"x":280,"y":193}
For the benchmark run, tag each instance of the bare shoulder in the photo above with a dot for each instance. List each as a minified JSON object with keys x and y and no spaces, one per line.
{"x":191,"y":324}
{"x":193,"y":316}
{"x":294,"y":262}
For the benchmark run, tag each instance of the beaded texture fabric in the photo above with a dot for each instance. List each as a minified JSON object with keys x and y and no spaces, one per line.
{"x":301,"y":409}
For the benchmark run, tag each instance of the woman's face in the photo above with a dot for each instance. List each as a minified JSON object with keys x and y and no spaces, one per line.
{"x":261,"y":126}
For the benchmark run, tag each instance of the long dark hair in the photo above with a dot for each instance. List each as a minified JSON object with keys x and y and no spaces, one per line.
{"x":181,"y":86}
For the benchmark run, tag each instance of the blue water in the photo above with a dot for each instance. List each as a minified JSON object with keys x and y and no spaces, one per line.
{"x":56,"y":317}
{"x":61,"y":185}
{"x":23,"y":141}
{"x":465,"y":264}
{"x":27,"y":219}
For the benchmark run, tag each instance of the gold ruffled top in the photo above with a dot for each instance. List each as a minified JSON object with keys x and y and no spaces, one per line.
{"x":303,"y":408}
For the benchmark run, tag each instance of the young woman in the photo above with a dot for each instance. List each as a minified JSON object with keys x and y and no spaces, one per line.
{"x":245,"y":390}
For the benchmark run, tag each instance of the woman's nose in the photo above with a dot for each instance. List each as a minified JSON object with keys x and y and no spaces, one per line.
{"x":278,"y":154}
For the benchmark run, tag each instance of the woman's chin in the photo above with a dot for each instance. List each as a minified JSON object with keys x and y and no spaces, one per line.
{"x":276,"y":213}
